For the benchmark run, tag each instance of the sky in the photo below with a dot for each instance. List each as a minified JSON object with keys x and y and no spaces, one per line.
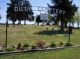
{"x":3,"y":6}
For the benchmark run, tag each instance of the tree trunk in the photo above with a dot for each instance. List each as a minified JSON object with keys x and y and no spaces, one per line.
{"x":77,"y":23}
{"x":7,"y":24}
{"x":62,"y":25}
{"x":38,"y":23}
{"x":62,"y":22}
{"x":73,"y":24}
{"x":13,"y":23}
{"x":24,"y":22}
{"x":65,"y":24}
{"x":19,"y":22}
{"x":56,"y":22}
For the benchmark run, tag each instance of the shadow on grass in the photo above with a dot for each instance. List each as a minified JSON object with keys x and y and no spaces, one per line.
{"x":51,"y":32}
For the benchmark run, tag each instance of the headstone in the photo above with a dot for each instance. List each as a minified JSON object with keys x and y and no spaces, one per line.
{"x":0,"y":47}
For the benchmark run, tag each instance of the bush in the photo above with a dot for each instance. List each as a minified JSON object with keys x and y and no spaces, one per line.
{"x":9,"y":49}
{"x":53,"y":45}
{"x":41,"y":44}
{"x":13,"y":46}
{"x":68,"y":44}
{"x":25,"y":45}
{"x":61,"y":43}
{"x":19,"y":46}
{"x":33,"y":47}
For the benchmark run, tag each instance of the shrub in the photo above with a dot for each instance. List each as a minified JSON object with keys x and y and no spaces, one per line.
{"x":33,"y":47}
{"x":41,"y":44}
{"x":53,"y":45}
{"x":9,"y":49}
{"x":19,"y":46}
{"x":68,"y":44}
{"x":13,"y":46}
{"x":61,"y":43}
{"x":26,"y":45}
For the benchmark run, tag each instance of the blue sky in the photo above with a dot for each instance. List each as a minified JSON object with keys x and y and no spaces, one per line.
{"x":3,"y":5}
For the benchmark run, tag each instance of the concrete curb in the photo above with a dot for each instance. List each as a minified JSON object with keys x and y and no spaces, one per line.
{"x":34,"y":50}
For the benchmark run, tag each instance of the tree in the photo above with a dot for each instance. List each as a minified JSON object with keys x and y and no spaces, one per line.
{"x":38,"y":20}
{"x":19,"y":10}
{"x":63,"y":11}
{"x":77,"y":18}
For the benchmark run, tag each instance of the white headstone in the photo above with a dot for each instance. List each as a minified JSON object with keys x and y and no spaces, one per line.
{"x":0,"y":47}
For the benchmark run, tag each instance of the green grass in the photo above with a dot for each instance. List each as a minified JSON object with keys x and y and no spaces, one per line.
{"x":25,"y":34}
{"x":69,"y":53}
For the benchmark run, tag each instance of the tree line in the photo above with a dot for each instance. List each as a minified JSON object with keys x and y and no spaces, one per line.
{"x":63,"y":11}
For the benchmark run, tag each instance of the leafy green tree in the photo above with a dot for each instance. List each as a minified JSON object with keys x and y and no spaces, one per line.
{"x":38,"y":20}
{"x":19,"y":10}
{"x":63,"y":11}
{"x":76,"y":18}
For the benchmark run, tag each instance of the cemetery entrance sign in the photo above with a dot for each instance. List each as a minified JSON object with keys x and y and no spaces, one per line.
{"x":44,"y":16}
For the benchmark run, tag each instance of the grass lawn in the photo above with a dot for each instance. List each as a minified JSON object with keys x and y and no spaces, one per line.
{"x":31,"y":34}
{"x":69,"y":53}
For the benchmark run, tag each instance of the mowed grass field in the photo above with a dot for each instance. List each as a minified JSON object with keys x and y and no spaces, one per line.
{"x":69,"y":53}
{"x":31,"y":34}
